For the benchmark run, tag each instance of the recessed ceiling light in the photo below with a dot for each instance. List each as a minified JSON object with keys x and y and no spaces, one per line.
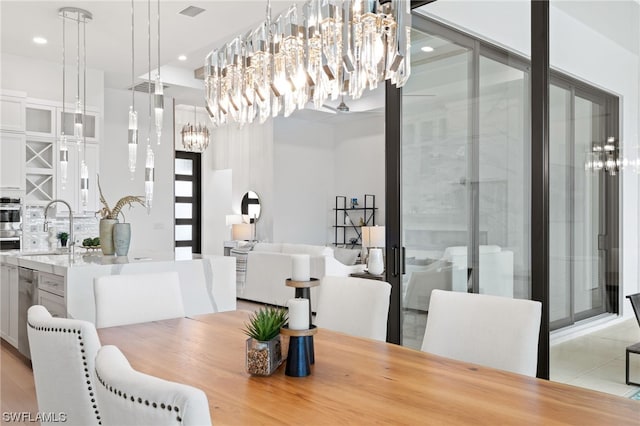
{"x":426,"y":49}
{"x":40,"y":40}
{"x":182,"y":58}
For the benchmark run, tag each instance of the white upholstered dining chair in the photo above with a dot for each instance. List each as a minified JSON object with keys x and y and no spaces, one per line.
{"x":129,"y":397}
{"x":63,"y":352}
{"x":354,"y":306}
{"x":493,"y":331}
{"x":131,"y":299}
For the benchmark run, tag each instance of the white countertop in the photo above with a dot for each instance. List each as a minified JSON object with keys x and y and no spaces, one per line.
{"x":58,"y":263}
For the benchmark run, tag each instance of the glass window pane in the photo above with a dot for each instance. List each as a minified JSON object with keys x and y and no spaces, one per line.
{"x":184,"y":210}
{"x":184,"y":166}
{"x":183,"y":232}
{"x":184,"y":188}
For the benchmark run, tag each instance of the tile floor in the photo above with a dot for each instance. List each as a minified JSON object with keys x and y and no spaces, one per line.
{"x":596,"y":360}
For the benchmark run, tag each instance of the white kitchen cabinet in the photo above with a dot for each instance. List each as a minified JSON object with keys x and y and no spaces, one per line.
{"x":91,"y":123}
{"x":12,"y":113}
{"x":12,"y":161}
{"x":40,"y":118}
{"x":70,"y":192}
{"x":9,"y":303}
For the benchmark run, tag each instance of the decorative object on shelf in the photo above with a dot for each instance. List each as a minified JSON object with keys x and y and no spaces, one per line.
{"x":80,"y":16}
{"x":606,"y":157}
{"x":132,"y":139}
{"x":91,"y":243}
{"x":109,"y":217}
{"x":63,"y":237}
{"x":331,"y":49}
{"x":354,"y":203}
{"x":121,"y":238}
{"x":263,"y":347}
{"x":195,"y":137}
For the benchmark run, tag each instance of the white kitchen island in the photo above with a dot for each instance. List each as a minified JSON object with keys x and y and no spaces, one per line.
{"x":207,"y":282}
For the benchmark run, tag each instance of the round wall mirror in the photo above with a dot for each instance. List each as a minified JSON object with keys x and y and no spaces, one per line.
{"x":250,"y":207}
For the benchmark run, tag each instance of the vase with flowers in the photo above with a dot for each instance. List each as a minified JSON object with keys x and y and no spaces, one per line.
{"x":109,"y":221}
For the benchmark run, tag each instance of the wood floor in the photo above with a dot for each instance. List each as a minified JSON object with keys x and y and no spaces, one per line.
{"x":17,"y":390}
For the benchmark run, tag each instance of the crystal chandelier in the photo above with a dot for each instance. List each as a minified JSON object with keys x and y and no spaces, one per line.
{"x":332,"y":48}
{"x":606,"y":157}
{"x":195,"y":137}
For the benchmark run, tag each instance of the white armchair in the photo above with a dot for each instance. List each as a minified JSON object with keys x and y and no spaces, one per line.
{"x":131,"y":398}
{"x":63,"y":352}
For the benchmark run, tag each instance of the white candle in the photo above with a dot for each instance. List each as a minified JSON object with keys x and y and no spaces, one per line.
{"x":301,"y":267}
{"x":298,"y":314}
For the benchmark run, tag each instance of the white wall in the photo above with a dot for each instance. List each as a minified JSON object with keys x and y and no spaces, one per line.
{"x":43,"y":80}
{"x":150,"y":233}
{"x":304,"y":175}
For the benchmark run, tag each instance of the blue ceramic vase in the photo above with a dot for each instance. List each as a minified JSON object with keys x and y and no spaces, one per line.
{"x":121,"y":238}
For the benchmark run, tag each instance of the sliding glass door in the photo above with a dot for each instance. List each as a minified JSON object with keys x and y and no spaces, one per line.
{"x":465,"y":191}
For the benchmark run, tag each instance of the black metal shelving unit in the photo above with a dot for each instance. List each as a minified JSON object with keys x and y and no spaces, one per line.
{"x":347,"y":220}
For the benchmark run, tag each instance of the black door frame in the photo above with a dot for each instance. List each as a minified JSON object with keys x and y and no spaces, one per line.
{"x":196,"y":201}
{"x":539,"y":185}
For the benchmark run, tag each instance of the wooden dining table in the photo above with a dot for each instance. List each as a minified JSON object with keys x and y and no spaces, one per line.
{"x":353,"y":381}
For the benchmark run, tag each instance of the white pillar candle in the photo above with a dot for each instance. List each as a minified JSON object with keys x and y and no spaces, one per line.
{"x":298,"y":314}
{"x":301,"y":267}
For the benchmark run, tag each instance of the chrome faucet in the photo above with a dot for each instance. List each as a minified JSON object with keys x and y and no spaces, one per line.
{"x":72,"y":242}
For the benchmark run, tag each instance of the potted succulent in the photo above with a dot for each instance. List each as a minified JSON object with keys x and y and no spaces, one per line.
{"x":108,"y":220}
{"x":63,"y":237}
{"x":264,"y":350}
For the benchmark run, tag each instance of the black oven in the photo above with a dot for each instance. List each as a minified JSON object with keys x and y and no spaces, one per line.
{"x":10,"y":223}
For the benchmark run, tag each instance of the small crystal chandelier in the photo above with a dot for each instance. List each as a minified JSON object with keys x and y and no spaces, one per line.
{"x":132,"y":140}
{"x":333,"y":48}
{"x":606,"y":157}
{"x":195,"y":137}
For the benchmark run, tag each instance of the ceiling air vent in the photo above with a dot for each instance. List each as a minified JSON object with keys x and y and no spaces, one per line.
{"x":191,"y":11}
{"x":144,"y":87}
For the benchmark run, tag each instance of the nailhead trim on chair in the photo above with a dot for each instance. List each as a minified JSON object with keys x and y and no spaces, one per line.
{"x":139,"y":399}
{"x":84,"y":360}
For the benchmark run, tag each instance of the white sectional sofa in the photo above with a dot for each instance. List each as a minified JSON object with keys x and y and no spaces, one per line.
{"x":269,"y":265}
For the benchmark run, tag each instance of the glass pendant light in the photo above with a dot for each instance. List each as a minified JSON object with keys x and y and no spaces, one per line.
{"x":64,"y":150}
{"x":84,"y":172}
{"x":158,"y":97}
{"x":149,"y":168}
{"x":77,"y":116}
{"x":133,"y":115}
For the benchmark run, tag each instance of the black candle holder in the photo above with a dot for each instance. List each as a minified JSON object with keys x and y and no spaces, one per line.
{"x":303,"y":291}
{"x":299,"y":355}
